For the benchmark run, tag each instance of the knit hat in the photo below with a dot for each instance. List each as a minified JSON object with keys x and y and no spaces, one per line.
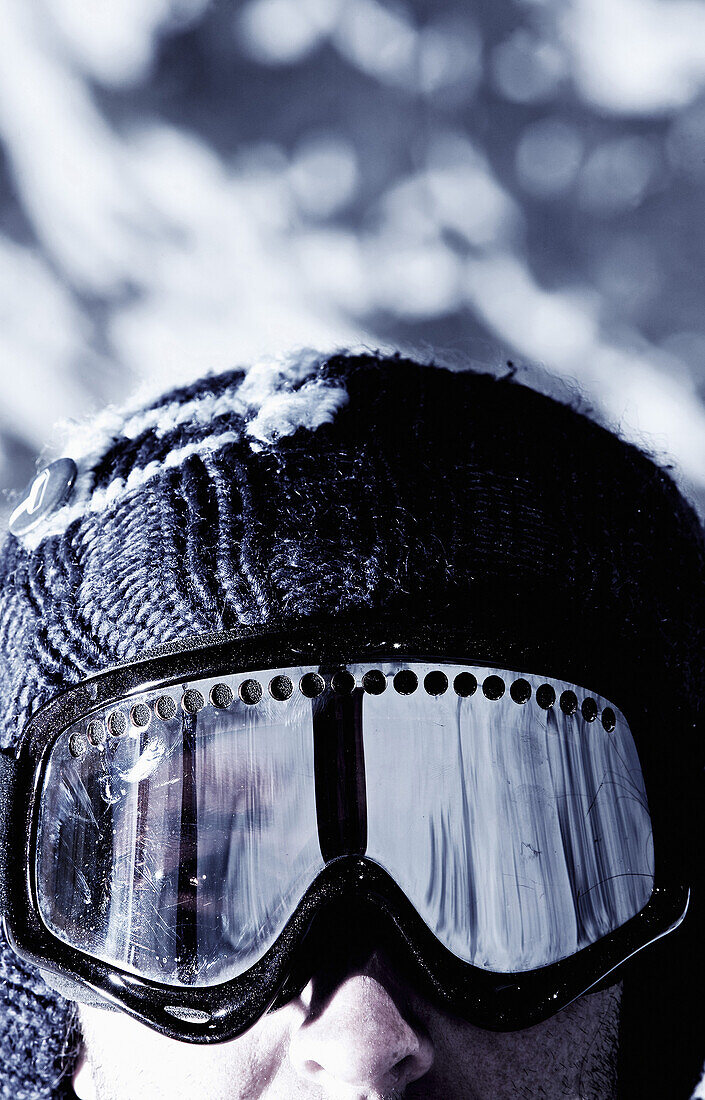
{"x":322,"y":488}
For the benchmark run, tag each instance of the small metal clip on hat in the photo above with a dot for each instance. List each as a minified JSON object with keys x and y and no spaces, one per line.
{"x":49,"y":490}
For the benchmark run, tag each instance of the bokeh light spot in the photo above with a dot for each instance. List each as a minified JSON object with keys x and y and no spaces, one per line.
{"x":685,"y":144}
{"x":527,"y":69}
{"x":548,"y":157}
{"x":379,"y":41}
{"x":282,"y":32}
{"x":450,"y":60}
{"x":616,"y":175}
{"x":323,"y":174}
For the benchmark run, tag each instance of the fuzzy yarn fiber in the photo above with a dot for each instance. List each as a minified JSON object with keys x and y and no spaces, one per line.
{"x":319,"y":488}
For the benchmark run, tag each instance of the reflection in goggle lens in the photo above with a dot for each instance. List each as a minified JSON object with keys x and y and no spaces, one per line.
{"x":178,"y":831}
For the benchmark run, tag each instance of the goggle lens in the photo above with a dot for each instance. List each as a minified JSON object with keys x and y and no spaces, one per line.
{"x":180,"y":828}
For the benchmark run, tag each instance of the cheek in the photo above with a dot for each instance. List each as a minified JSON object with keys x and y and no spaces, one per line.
{"x":547,"y":1060}
{"x":130,"y":1061}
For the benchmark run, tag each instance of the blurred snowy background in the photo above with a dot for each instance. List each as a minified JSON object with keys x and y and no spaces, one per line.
{"x":185,"y":184}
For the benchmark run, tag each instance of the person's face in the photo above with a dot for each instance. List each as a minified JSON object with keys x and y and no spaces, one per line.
{"x":358,"y":1031}
{"x":369,"y":1037}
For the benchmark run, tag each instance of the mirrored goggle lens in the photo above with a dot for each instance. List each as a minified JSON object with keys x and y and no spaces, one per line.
{"x":179,"y":829}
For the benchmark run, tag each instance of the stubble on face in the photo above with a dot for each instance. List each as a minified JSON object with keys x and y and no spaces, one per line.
{"x":572,"y":1056}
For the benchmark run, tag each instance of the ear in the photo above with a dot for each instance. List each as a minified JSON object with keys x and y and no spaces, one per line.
{"x":83,"y":1084}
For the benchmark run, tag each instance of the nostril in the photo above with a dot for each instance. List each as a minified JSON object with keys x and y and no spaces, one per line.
{"x":361,"y":1039}
{"x":412,"y":1066}
{"x":404,"y":1065}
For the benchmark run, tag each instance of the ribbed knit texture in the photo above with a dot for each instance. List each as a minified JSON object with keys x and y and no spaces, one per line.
{"x":326,"y":489}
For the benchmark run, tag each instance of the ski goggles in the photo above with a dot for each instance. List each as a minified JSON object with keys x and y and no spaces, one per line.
{"x":187,"y":817}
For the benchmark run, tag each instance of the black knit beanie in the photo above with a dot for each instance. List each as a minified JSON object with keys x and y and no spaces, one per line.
{"x":332,"y":488}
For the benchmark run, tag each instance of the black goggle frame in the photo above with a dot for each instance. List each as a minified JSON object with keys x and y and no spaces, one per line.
{"x":501,"y":1002}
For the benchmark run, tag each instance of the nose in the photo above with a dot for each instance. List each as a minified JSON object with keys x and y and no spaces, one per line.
{"x":360,"y":1039}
